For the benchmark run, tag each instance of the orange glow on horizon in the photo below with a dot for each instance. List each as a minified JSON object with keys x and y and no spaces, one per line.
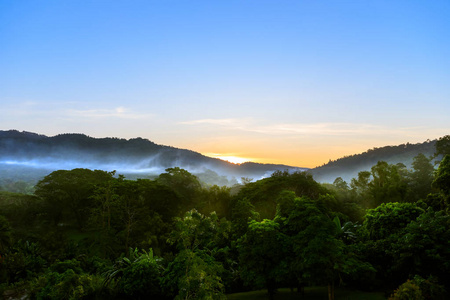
{"x":234,"y":159}
{"x":301,"y":159}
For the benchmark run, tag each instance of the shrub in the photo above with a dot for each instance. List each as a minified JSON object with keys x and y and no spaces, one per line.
{"x":430,"y":287}
{"x":407,"y":291}
{"x":67,"y":285}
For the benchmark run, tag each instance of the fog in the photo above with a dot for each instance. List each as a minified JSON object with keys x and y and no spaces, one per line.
{"x":220,"y":173}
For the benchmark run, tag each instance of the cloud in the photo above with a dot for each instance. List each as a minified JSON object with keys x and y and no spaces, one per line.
{"x":319,"y":129}
{"x":33,"y":109}
{"x":118,"y":112}
{"x":231,"y":124}
{"x":220,"y":122}
{"x":308,"y":129}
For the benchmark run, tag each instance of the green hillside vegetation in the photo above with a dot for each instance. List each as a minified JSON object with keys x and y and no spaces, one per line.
{"x":28,"y":157}
{"x":348,"y":167}
{"x":93,"y":234}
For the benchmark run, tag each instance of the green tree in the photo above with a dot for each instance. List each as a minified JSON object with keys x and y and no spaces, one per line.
{"x":359,"y":188}
{"x":66,"y":280}
{"x":261,"y":255}
{"x":388,"y":218}
{"x":317,"y":255}
{"x":442,"y":178}
{"x":196,"y":231}
{"x":160,"y":198}
{"x":186,"y":185}
{"x":263,"y":193}
{"x":137,"y":275}
{"x":424,"y":246}
{"x":5,"y":234}
{"x":421,"y":177}
{"x":387,"y":185}
{"x":142,"y":278}
{"x":217,"y":199}
{"x":242,"y":213}
{"x":194,"y":275}
{"x":382,"y":231}
{"x":68,"y":193}
{"x":443,"y":146}
{"x":340,"y":184}
{"x":202,"y":241}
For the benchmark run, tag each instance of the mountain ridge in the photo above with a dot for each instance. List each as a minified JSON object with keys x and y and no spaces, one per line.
{"x":137,"y":157}
{"x":348,"y":167}
{"x":129,"y":156}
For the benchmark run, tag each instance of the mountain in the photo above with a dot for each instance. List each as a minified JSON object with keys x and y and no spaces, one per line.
{"x":30,"y":155}
{"x":348,"y":167}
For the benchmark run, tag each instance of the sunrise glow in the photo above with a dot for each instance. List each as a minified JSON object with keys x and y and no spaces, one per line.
{"x":236,"y":79}
{"x":229,"y":158}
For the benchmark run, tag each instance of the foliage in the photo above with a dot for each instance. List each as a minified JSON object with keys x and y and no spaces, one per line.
{"x":387,"y":184}
{"x":443,"y":146}
{"x":137,"y":275}
{"x":216,"y":199}
{"x":419,"y":180}
{"x":194,"y":275}
{"x":407,"y":291}
{"x":185,"y":185}
{"x":142,"y":279}
{"x":66,"y":285}
{"x":424,"y":248}
{"x":242,"y":212}
{"x":68,"y":193}
{"x":349,"y":166}
{"x":261,"y":255}
{"x":132,"y":213}
{"x":442,"y":178}
{"x":347,"y":232}
{"x":309,"y":235}
{"x":21,"y":261}
{"x":317,"y":253}
{"x":430,"y":287}
{"x":5,"y":234}
{"x":263,"y":193}
{"x":388,"y":218}
{"x":196,"y":231}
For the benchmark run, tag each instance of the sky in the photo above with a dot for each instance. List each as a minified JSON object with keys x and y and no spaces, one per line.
{"x":290,"y":82}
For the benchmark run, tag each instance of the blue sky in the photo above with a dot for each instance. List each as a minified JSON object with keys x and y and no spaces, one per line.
{"x":294,"y":82}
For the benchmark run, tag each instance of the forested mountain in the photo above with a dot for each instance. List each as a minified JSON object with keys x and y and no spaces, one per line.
{"x":28,"y":156}
{"x":93,"y":234}
{"x":348,"y":167}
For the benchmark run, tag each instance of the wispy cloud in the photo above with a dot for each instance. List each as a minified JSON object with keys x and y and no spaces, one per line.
{"x":219,"y":122}
{"x":305,"y":129}
{"x":231,"y":124}
{"x":36,"y":109}
{"x":318,"y":129}
{"x":118,"y":112}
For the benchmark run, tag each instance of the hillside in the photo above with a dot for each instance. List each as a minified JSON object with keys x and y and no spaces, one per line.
{"x":28,"y":156}
{"x":349,"y":166}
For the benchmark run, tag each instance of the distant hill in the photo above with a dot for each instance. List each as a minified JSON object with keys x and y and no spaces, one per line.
{"x":348,"y":167}
{"x":30,"y":156}
{"x":27,"y":155}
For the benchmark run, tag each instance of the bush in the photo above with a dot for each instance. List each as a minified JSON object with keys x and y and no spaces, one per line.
{"x":67,"y":285}
{"x":407,"y":291}
{"x":430,"y":287}
{"x":142,"y":279}
{"x":137,"y":276}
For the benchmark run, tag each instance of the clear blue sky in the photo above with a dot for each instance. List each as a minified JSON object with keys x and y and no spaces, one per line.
{"x":294,"y":82}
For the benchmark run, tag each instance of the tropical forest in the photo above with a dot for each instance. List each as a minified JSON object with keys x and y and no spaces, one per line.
{"x":94,"y":234}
